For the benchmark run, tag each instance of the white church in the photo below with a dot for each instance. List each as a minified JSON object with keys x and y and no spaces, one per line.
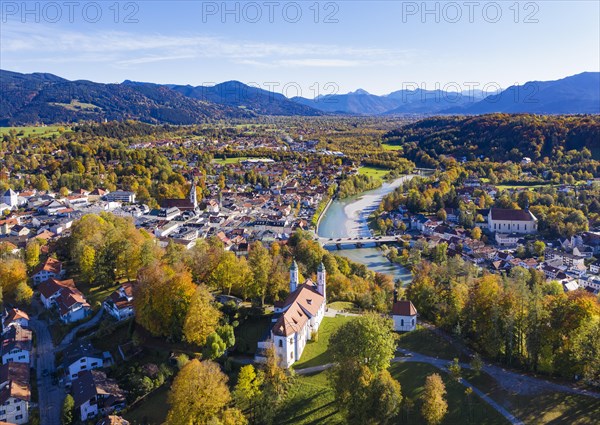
{"x":297,"y":318}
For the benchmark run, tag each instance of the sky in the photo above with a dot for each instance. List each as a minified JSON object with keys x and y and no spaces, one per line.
{"x":305,"y":48}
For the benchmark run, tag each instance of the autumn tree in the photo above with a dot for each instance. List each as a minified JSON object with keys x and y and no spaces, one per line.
{"x":162,"y":298}
{"x":200,"y":395}
{"x":434,"y":406}
{"x":260,"y":263}
{"x":202,"y":317}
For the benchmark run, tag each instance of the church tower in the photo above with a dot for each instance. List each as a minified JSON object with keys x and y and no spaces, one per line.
{"x":321,"y":277}
{"x":293,"y":276}
{"x":194,"y":195}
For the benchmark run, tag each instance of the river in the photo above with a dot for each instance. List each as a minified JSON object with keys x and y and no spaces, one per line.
{"x":348,"y":218}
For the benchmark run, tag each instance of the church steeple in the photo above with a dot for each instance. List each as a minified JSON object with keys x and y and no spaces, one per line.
{"x":293,"y":276}
{"x":194,"y":195}
{"x":321,"y":280}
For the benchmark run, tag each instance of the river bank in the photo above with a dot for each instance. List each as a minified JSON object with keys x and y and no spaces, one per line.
{"x":348,"y":217}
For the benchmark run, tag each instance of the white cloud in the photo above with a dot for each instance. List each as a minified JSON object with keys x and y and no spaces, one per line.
{"x":124,"y":49}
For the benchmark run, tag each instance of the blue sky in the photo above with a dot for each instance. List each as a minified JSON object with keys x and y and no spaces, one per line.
{"x":379,"y":46}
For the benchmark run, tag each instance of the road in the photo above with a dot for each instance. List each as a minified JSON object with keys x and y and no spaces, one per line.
{"x":50,"y":396}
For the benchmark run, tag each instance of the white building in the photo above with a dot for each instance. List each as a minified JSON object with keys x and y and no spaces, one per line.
{"x":15,"y":393}
{"x":79,"y":357}
{"x":300,"y":316}
{"x":95,"y":394}
{"x":120,"y":196}
{"x":16,"y":345}
{"x":120,"y":303}
{"x":404,"y":315}
{"x":511,"y":221}
{"x":48,"y":269}
{"x":10,"y":198}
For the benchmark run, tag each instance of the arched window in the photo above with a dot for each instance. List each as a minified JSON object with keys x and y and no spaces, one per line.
{"x":280,"y":343}
{"x":401,"y":322}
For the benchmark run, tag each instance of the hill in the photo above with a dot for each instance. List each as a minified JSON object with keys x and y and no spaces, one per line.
{"x":500,"y":137}
{"x":237,"y":94}
{"x":46,"y":98}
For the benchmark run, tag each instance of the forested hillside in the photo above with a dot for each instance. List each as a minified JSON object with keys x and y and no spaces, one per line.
{"x":499,"y":137}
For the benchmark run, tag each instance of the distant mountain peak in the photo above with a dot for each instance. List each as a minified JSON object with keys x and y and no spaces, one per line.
{"x":359,"y":92}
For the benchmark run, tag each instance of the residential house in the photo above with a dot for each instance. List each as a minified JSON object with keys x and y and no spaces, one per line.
{"x":71,"y":303}
{"x":95,"y":394}
{"x":564,"y":258}
{"x":120,"y":303}
{"x":404,"y":315}
{"x":15,"y":393}
{"x":51,"y":268}
{"x":16,"y":345}
{"x":511,"y":221}
{"x":298,"y":317}
{"x":14,"y":316}
{"x":81,"y":356}
{"x":595,"y":267}
{"x":507,"y":239}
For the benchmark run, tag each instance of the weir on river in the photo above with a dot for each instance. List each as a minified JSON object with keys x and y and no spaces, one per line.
{"x":347,"y":218}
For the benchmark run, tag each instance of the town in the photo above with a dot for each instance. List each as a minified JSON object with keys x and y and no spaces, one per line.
{"x":118,"y":275}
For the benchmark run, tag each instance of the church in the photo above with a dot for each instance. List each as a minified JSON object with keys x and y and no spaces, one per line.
{"x":298,"y":317}
{"x":189,"y":204}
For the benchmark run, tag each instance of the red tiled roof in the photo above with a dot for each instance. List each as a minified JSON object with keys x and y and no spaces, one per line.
{"x":404,"y":308}
{"x":511,"y":215}
{"x":303,"y":303}
{"x":51,"y":265}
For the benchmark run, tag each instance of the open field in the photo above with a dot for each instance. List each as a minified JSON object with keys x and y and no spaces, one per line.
{"x":316,"y":353}
{"x":228,"y":161}
{"x":373,"y":172}
{"x":32,"y":131}
{"x":537,"y":409}
{"x":461,"y":410}
{"x":312,"y":400}
{"x":391,"y":147}
{"x":341,"y":305}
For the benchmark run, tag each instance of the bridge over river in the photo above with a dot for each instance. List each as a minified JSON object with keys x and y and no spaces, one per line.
{"x":350,"y":243}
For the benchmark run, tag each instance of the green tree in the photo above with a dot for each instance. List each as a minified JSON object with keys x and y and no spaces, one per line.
{"x":455,"y":370}
{"x":68,"y":408}
{"x":367,"y":340}
{"x":260,"y":263}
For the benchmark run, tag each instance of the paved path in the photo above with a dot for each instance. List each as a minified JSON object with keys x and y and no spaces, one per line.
{"x":50,"y":396}
{"x":71,"y":335}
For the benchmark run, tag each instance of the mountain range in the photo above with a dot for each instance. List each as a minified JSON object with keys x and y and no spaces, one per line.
{"x":47,"y":98}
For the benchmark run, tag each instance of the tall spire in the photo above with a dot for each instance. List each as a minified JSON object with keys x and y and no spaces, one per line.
{"x":293,"y":276}
{"x":194,"y":195}
{"x":321,"y":280}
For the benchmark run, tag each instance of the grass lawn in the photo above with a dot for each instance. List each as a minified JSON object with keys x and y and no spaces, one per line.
{"x":549,"y":408}
{"x":391,"y":147}
{"x":225,"y":161}
{"x":152,"y":410}
{"x":521,"y":186}
{"x":311,"y":401}
{"x":460,"y":411}
{"x":98,"y":294}
{"x":341,"y":305}
{"x":424,"y":341}
{"x":250,"y":332}
{"x":373,"y":172}
{"x":315,"y":353}
{"x":32,"y":131}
